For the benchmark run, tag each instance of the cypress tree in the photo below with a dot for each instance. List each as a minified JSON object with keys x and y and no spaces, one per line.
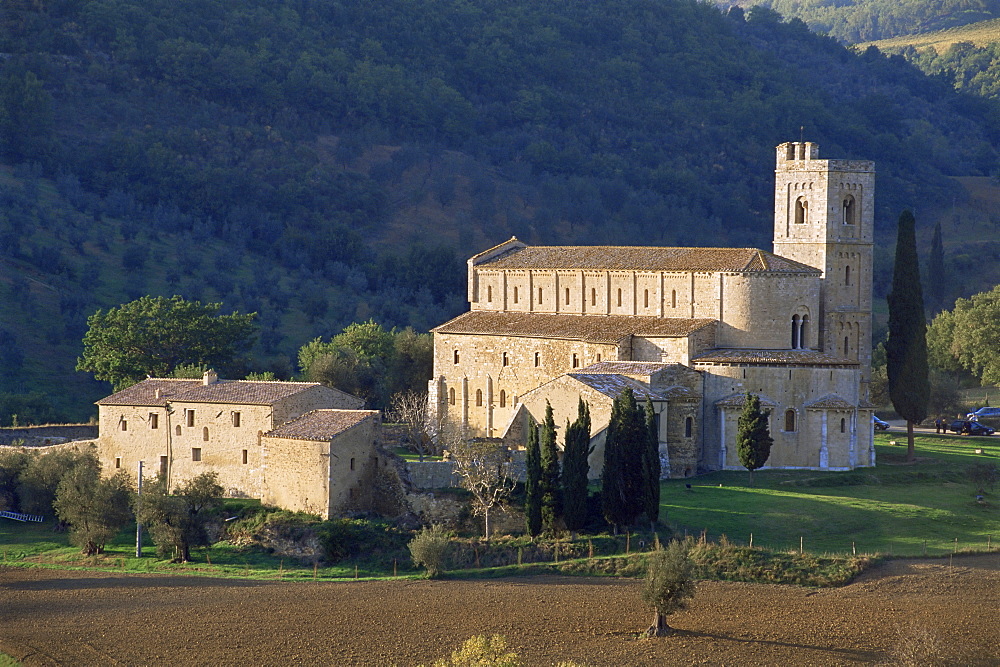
{"x":906,"y":349}
{"x":575,"y":468}
{"x":533,"y":473}
{"x":937,"y":279}
{"x":622,"y":481}
{"x":549,"y":480}
{"x":651,"y":467}
{"x":753,"y":439}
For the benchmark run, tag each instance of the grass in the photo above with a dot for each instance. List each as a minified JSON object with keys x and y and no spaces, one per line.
{"x":980,"y":34}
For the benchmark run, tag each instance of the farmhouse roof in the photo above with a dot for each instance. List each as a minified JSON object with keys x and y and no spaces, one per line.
{"x":644,"y":258}
{"x":157,"y":391}
{"x":772,"y":357}
{"x":321,"y":425}
{"x":590,"y":328}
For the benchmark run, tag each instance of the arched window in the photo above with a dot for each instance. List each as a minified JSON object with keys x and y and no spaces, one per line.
{"x":849,"y":210}
{"x":538,"y":359}
{"x":204,"y":434}
{"x":804,"y":332}
{"x":451,"y":396}
{"x":688,"y":427}
{"x":489,"y":293}
{"x":847,"y":346}
{"x":576,"y":360}
{"x":177,"y":430}
{"x":847,"y":275}
{"x":503,"y":398}
{"x":455,"y":356}
{"x":479,"y":398}
{"x":539,"y":295}
{"x":506,"y":361}
{"x":796,"y":330}
{"x":801,"y":211}
{"x":619,"y":297}
{"x":843,"y":425}
{"x":789,"y":420}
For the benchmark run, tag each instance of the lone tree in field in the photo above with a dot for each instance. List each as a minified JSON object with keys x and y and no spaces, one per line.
{"x":532,"y":479}
{"x":429,"y":548}
{"x":575,"y":470}
{"x":668,"y":585}
{"x":753,"y":439}
{"x":906,"y":349}
{"x":549,"y":480}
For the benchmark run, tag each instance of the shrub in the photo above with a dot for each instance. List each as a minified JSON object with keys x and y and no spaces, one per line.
{"x":429,"y":548}
{"x":481,"y":651}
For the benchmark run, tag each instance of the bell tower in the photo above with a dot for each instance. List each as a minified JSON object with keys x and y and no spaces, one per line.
{"x":824,"y":217}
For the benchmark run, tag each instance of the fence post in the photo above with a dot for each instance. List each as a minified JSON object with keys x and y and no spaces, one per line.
{"x":751,"y":540}
{"x":800,"y":545}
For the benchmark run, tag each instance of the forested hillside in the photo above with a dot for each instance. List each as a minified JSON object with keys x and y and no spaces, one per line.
{"x":328,"y":162}
{"x":853,"y":21}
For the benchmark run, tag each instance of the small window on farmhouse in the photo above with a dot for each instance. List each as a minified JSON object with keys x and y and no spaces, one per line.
{"x":118,"y":462}
{"x":177,"y":430}
{"x":451,"y":396}
{"x":124,"y":425}
{"x":154,"y":420}
{"x":196,"y":453}
{"x":576,"y":360}
{"x":479,"y":398}
{"x":789,"y":420}
{"x":843,"y":425}
{"x":189,"y":414}
{"x":455,"y":356}
{"x":352,"y":463}
{"x":489,"y":293}
{"x":506,"y":361}
{"x":593,"y":296}
{"x":515,"y":295}
{"x":236,"y":419}
{"x":567,"y":296}
{"x":163,"y":466}
{"x":538,"y":359}
{"x":204,"y":434}
{"x":503,"y":398}
{"x":246,"y":456}
{"x":688,"y":426}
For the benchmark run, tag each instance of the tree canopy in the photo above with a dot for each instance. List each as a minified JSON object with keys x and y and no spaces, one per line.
{"x":968,"y":337}
{"x":753,"y":438}
{"x":152,"y":336}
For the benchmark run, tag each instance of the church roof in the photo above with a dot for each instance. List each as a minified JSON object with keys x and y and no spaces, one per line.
{"x":772,"y":357}
{"x":829,"y":402}
{"x":246,"y":392}
{"x":644,"y":258}
{"x":590,"y":328}
{"x":627,"y":367}
{"x":613,"y":385}
{"x":320,"y":425}
{"x":739,"y":400}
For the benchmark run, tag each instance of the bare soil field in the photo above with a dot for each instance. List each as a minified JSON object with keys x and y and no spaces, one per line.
{"x":903,"y":612}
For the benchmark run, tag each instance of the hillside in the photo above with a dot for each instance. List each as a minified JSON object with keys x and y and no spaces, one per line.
{"x":325,"y":163}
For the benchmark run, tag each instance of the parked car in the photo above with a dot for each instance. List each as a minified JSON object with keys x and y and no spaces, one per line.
{"x":987,"y":412}
{"x":879,"y":424}
{"x":969,"y":428}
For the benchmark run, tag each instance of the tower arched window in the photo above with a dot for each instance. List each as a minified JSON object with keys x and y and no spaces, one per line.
{"x":619,"y":297}
{"x":645,"y":298}
{"x":850,"y":210}
{"x":451,"y":396}
{"x":515,"y":295}
{"x":789,"y":420}
{"x":489,"y":293}
{"x":567,"y":296}
{"x":847,"y":346}
{"x":539,"y":295}
{"x":796,"y":331}
{"x":843,"y":425}
{"x":538,"y":359}
{"x":801,"y":211}
{"x":804,"y":332}
{"x":673,"y":298}
{"x":593,"y":296}
{"x":504,"y":359}
{"x":455,"y":356}
{"x":847,"y":275}
{"x":503,"y":398}
{"x":479,"y":398}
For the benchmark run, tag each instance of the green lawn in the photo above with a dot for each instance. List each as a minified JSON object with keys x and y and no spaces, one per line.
{"x":896,"y":508}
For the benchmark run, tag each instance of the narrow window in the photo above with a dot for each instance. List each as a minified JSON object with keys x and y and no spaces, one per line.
{"x":843,"y":425}
{"x":688,"y":426}
{"x":204,"y":434}
{"x":645,"y":298}
{"x":847,"y":346}
{"x":789,"y":420}
{"x":479,"y":397}
{"x":124,"y":425}
{"x":576,"y":361}
{"x":593,"y":296}
{"x":352,"y":463}
{"x":190,"y":417}
{"x":489,"y":293}
{"x":673,"y":298}
{"x":196,"y":453}
{"x":515,"y":295}
{"x":503,"y":399}
{"x":801,"y":211}
{"x":154,"y":420}
{"x":539,"y":295}
{"x":538,"y":359}
{"x":236,"y":419}
{"x":847,"y":275}
{"x":619,"y":297}
{"x":163,"y":466}
{"x":505,"y":360}
{"x":567,"y":296}
{"x":598,"y":357}
{"x":849,"y":210}
{"x":804,"y":331}
{"x":246,"y":456}
{"x":177,"y":430}
{"x":451,"y":396}
{"x":796,"y":329}
{"x":118,"y":462}
{"x":455,"y":357}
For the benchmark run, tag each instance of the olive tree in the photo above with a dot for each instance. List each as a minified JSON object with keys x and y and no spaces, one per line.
{"x":668,"y":584}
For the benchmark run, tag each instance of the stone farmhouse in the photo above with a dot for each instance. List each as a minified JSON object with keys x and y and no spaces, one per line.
{"x":297,"y":445}
{"x":691,"y":329}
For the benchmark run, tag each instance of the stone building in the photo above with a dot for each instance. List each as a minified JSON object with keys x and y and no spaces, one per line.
{"x":692,"y":329}
{"x":287,"y":443}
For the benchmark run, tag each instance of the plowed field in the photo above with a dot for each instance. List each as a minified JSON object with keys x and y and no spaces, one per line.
{"x":919,"y":609}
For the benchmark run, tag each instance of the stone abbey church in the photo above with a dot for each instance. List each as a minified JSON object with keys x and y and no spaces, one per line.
{"x":690,"y":329}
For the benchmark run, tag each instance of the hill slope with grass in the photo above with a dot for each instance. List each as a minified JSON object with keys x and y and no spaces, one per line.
{"x":326,"y":163}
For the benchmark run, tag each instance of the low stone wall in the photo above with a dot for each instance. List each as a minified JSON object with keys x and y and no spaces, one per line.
{"x":52,"y":434}
{"x":432,"y":474}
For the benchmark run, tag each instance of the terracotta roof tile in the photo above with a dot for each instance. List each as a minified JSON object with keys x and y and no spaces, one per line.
{"x":829,"y":402}
{"x":781,"y":357}
{"x":613,"y":385}
{"x":739,"y":400}
{"x":643,"y":258}
{"x":590,"y":328}
{"x":247,"y":392}
{"x":321,"y":425}
{"x":627,"y":367}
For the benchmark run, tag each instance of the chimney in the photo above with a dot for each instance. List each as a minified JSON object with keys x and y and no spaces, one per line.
{"x":158,"y":394}
{"x":210,"y":377}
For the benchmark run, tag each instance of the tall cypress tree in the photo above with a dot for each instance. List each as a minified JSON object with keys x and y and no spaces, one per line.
{"x":937,"y":279}
{"x":622,"y":481}
{"x":906,"y":349}
{"x":549,"y":480}
{"x":575,"y":468}
{"x":753,"y":438}
{"x":533,"y":474}
{"x":651,"y":467}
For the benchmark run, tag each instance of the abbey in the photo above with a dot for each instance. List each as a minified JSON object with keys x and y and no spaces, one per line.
{"x":690,"y":329}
